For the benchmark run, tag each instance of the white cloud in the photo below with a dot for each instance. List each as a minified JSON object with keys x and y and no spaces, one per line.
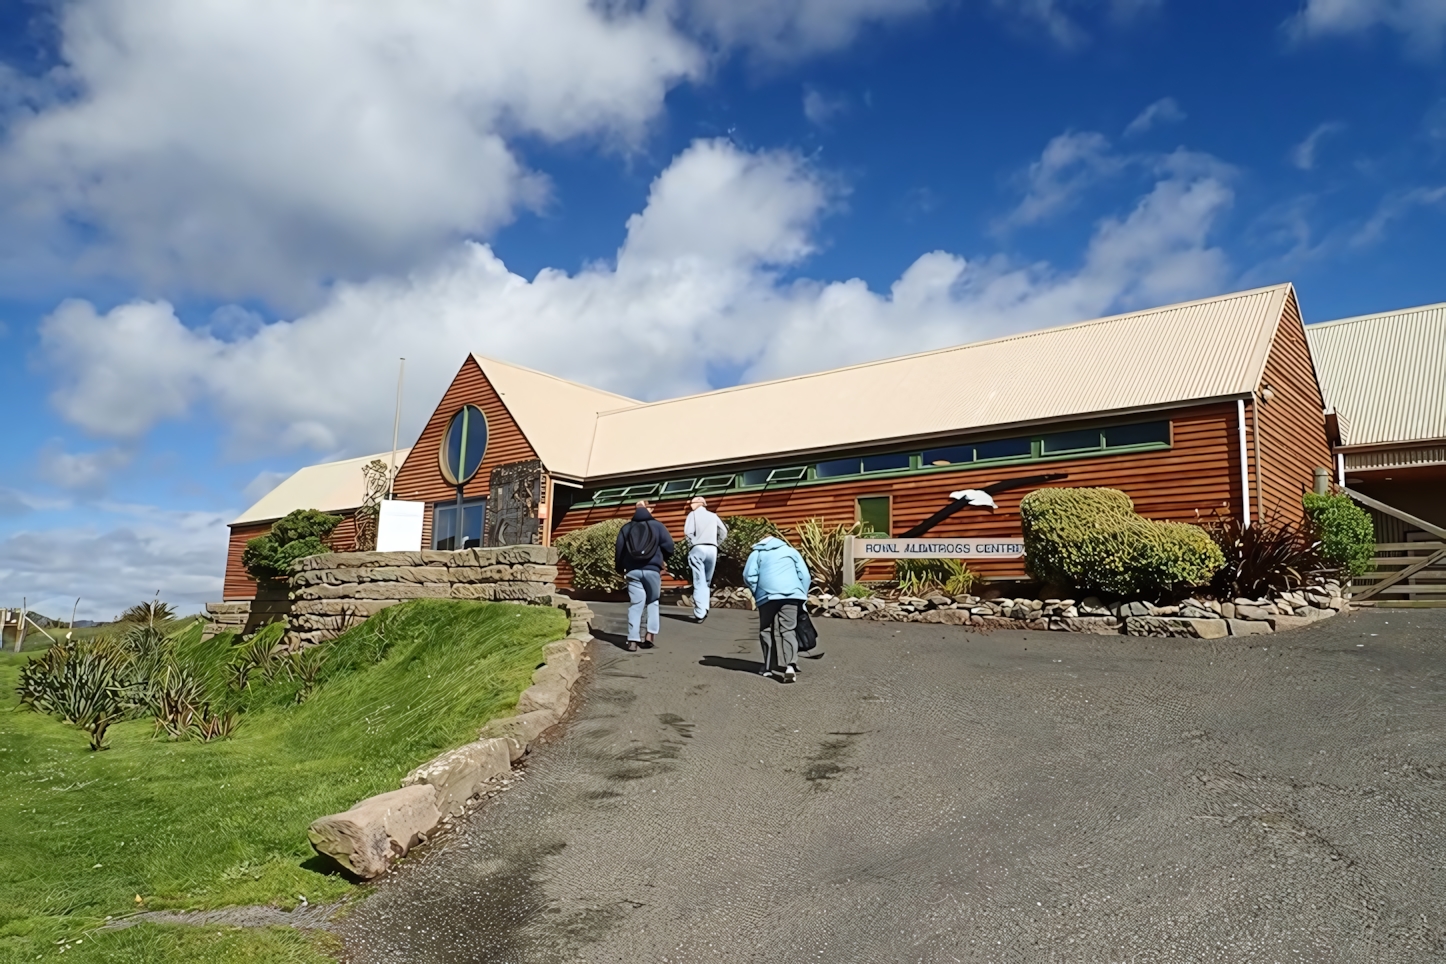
{"x":109,"y":567}
{"x":1303,"y":155}
{"x":1421,"y":22}
{"x":1393,"y":208}
{"x":1163,"y":111}
{"x":696,"y":285}
{"x":84,"y":472}
{"x":262,"y":150}
{"x":1070,"y":164}
{"x":820,"y":108}
{"x":786,"y":29}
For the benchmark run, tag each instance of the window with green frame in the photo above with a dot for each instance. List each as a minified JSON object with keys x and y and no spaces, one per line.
{"x":1072,"y":443}
{"x":873,"y":511}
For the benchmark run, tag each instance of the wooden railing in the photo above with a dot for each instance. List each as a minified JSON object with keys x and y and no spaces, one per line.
{"x":1413,"y":575}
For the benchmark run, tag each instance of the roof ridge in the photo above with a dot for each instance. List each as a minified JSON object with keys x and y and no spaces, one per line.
{"x":1376,"y":315}
{"x":950,"y":348}
{"x":481,"y":359}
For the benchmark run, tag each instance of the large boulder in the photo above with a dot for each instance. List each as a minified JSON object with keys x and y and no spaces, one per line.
{"x":458,"y":775}
{"x":377,"y":830}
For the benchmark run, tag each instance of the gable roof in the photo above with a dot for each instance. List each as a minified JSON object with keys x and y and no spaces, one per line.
{"x":1213,"y":348}
{"x":557,"y":416}
{"x":330,"y":487}
{"x":1386,"y":373}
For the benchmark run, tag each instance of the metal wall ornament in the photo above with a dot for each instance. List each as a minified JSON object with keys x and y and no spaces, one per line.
{"x":463,"y":445}
{"x":516,"y":495}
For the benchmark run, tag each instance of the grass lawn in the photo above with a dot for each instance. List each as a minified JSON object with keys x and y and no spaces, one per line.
{"x":201,"y":825}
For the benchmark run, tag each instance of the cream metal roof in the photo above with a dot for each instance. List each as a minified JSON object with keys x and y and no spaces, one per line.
{"x":1199,"y":350}
{"x":556,"y":415}
{"x":330,"y":487}
{"x":1386,"y":373}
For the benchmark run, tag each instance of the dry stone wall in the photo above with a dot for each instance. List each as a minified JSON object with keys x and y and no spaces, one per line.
{"x":336,"y":590}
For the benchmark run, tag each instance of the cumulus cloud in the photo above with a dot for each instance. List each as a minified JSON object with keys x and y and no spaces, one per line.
{"x":244,"y":150}
{"x":1163,"y":111}
{"x":1422,"y":23}
{"x":1303,"y":155}
{"x":699,"y":284}
{"x":109,"y":567}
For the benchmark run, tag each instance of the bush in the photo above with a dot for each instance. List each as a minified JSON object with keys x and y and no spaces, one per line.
{"x":1092,"y":540}
{"x":1345,"y":531}
{"x":743,"y":533}
{"x":678,"y":566}
{"x":856,"y":590}
{"x":1269,"y":555}
{"x":590,"y":553}
{"x":822,"y":549}
{"x":296,"y":536}
{"x":919,"y":576}
{"x":150,"y":612}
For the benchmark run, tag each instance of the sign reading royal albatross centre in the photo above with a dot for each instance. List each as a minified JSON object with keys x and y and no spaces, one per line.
{"x":868,"y":547}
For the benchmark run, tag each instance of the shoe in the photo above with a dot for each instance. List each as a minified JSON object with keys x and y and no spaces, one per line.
{"x":648,"y":641}
{"x":790,"y":673}
{"x":632,"y":646}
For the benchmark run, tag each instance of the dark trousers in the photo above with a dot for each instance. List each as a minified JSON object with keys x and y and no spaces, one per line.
{"x":778,"y":632}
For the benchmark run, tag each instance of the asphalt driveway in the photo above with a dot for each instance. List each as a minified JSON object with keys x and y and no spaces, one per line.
{"x":924,"y":794}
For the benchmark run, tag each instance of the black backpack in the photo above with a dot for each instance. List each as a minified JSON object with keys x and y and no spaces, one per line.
{"x":640,"y":542}
{"x":807,"y":632}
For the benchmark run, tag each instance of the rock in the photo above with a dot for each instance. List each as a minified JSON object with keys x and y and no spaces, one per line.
{"x":1159,"y":626}
{"x":1098,"y":625}
{"x":994,"y":622}
{"x":1247,"y":611}
{"x":378,"y":829}
{"x":518,"y":730}
{"x":1227,"y":610}
{"x":458,"y":775}
{"x":1337,"y":603}
{"x":572,"y":646}
{"x":564,"y":669}
{"x":1209,"y":628}
{"x":1135,"y":609}
{"x":551,"y":696}
{"x":1248,"y":627}
{"x":939,"y":601}
{"x":1282,"y":623}
{"x":1196,"y":612}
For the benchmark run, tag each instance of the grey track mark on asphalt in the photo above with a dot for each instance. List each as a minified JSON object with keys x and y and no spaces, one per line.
{"x":1009,"y":797}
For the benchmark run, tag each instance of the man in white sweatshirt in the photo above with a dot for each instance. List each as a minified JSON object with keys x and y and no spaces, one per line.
{"x":706,"y":532}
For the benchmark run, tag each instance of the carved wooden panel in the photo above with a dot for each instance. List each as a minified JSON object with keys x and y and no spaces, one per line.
{"x":516,"y":494}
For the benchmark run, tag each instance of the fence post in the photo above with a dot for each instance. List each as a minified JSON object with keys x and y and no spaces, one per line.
{"x":849,"y":570}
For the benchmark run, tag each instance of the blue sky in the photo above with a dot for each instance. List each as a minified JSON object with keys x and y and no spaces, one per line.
{"x":221,"y":224}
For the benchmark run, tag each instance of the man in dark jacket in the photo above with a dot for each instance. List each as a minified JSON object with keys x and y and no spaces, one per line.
{"x":642,"y":551}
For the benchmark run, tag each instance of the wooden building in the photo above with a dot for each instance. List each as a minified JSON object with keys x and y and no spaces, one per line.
{"x":1197,"y":409}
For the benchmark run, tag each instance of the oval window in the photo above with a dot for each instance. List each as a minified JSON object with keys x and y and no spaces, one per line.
{"x":463,"y":445}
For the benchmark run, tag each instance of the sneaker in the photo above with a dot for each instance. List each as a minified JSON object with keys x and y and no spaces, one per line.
{"x":790,"y":674}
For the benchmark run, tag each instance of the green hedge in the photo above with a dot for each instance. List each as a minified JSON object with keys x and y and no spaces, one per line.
{"x":1347,"y":535}
{"x":591,"y":553}
{"x":1092,"y":540}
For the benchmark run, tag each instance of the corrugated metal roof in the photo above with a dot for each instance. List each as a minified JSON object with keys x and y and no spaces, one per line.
{"x":1385,"y":372}
{"x":1211,"y":348}
{"x":330,"y":487}
{"x":556,"y":415}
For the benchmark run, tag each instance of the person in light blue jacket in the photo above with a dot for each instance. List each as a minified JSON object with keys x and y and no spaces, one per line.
{"x":776,"y":575}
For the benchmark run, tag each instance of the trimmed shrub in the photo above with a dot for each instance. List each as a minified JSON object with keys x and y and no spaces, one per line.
{"x":919,"y":576}
{"x":1345,"y":530}
{"x":1092,"y":540}
{"x":296,"y":536}
{"x":590,"y":553}
{"x":678,"y":566}
{"x":743,"y":533}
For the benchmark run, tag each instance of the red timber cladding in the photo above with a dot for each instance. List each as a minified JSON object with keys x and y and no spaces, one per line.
{"x":1293,"y":440}
{"x":420,"y":477}
{"x":238,"y":583}
{"x":1197,"y":476}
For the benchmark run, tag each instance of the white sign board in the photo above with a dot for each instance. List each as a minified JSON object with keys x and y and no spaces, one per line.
{"x":972,"y":548}
{"x":399,"y":526}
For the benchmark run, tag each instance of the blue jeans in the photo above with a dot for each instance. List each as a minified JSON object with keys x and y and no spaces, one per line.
{"x":702,"y":560}
{"x":644,"y":588}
